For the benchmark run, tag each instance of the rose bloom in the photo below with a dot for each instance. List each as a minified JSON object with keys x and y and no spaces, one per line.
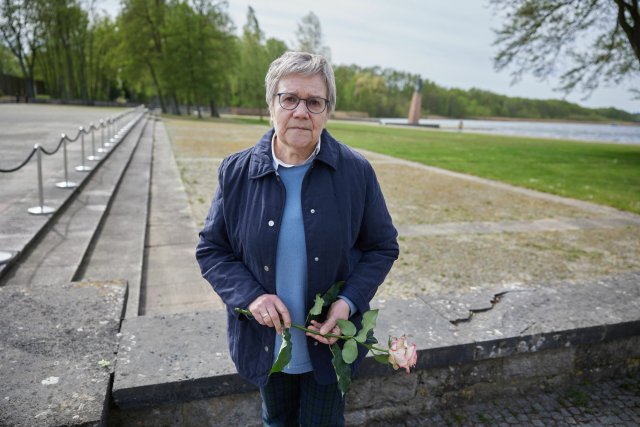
{"x":402,"y":355}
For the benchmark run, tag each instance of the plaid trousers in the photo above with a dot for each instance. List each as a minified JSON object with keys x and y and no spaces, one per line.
{"x":297,"y":399}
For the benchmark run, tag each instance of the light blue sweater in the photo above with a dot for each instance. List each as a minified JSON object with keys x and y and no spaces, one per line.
{"x":291,"y":267}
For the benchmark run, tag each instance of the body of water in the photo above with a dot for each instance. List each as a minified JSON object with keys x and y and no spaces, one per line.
{"x":622,"y":134}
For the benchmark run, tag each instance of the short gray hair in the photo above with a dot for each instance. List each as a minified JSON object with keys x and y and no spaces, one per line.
{"x":304,"y":63}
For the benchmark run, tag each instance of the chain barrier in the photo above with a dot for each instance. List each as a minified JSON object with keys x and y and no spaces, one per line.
{"x":113,"y":135}
{"x":65,"y":137}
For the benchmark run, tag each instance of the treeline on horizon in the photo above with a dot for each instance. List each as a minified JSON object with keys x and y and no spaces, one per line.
{"x":175,"y":53}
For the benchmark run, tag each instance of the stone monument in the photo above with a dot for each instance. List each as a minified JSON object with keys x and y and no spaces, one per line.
{"x":415,"y":108}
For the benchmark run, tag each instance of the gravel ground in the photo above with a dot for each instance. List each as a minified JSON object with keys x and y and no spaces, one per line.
{"x":437,"y":265}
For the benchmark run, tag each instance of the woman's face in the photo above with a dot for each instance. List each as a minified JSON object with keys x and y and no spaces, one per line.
{"x":299,"y":130}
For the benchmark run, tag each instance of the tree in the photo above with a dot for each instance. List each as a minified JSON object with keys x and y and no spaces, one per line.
{"x":8,"y":62}
{"x":309,"y":36}
{"x":252,"y":65}
{"x":143,"y":47}
{"x":62,"y":61}
{"x":21,"y":32}
{"x":592,"y":41}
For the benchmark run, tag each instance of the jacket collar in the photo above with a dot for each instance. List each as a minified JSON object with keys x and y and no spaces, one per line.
{"x":261,"y":162}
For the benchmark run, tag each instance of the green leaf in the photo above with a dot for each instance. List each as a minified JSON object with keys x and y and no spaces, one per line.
{"x":331,"y":295}
{"x":370,"y":338}
{"x":327,"y":299}
{"x":368,"y":323}
{"x":284,"y":355}
{"x":369,"y":319}
{"x":245,"y":312}
{"x":382,"y":358}
{"x":317,"y":306}
{"x":350,"y":351}
{"x":346,"y":327}
{"x":343,"y":370}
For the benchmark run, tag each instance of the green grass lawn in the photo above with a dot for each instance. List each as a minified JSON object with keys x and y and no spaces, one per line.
{"x":608,"y":174}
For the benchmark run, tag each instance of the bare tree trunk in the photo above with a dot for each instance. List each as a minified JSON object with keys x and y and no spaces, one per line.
{"x":163,"y":105}
{"x":213,"y":108}
{"x":631,"y":29}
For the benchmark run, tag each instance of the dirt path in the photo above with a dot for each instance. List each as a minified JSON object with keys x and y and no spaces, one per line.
{"x":457,"y":233}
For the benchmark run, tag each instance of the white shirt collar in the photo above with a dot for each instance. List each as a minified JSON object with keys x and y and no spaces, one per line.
{"x":277,"y":162}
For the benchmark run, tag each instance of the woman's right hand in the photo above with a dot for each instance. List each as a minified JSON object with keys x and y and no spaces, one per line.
{"x":269,"y":310}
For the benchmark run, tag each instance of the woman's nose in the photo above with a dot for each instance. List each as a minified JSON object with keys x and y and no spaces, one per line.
{"x":301,"y":109}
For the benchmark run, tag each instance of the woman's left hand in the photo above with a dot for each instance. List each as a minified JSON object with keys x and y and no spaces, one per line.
{"x":338,"y":310}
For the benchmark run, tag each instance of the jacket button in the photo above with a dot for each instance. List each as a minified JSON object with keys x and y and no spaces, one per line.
{"x":316,"y":259}
{"x":266,"y":268}
{"x":313,"y":211}
{"x":266,"y":348}
{"x":315,"y":343}
{"x":271,"y":223}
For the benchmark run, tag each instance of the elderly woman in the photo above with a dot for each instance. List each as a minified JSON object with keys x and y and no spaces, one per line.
{"x":291,"y":216}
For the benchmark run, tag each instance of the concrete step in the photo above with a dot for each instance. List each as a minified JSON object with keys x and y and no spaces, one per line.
{"x":171,"y":281}
{"x":59,"y":248}
{"x":117,"y":250}
{"x":148,"y":237}
{"x":20,"y":129}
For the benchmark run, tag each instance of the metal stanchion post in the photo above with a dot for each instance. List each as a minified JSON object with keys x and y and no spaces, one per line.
{"x":93,"y":156}
{"x":82,"y":167}
{"x":107,"y":125}
{"x":66,"y":183}
{"x":42,"y":209}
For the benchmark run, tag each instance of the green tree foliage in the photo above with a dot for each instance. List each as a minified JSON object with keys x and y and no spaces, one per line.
{"x":387,"y":93}
{"x":143,"y":49}
{"x":103,"y":79}
{"x":21,"y":33}
{"x":196,"y":46}
{"x":254,"y":56}
{"x":8,"y":62}
{"x":62,"y":61}
{"x":180,"y":51}
{"x":253,"y":64}
{"x":184,"y":52}
{"x":376,"y":91}
{"x":588,"y":41}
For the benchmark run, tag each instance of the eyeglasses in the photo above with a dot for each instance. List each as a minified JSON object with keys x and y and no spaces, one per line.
{"x":290,"y":101}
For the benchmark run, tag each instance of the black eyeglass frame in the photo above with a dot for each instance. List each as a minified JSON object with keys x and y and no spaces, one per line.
{"x":326,"y":102}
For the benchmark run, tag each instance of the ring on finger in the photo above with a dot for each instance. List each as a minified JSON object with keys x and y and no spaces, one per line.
{"x":264,"y":315}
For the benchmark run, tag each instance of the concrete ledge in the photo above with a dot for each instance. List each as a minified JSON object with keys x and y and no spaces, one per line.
{"x":53,"y":340}
{"x":548,"y":331}
{"x":174,"y":358}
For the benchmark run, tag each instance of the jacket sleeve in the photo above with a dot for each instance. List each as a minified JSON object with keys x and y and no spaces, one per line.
{"x":377,"y":240}
{"x":228,"y":275}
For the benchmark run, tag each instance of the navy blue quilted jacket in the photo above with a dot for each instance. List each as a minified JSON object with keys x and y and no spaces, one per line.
{"x":349,"y":236}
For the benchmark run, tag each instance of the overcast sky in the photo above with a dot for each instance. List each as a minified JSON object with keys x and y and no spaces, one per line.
{"x":447,"y":42}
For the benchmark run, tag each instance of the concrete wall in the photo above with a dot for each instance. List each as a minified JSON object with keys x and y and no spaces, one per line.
{"x":396,"y":394}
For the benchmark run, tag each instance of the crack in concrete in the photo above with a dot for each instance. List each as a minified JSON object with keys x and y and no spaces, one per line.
{"x":472,"y":311}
